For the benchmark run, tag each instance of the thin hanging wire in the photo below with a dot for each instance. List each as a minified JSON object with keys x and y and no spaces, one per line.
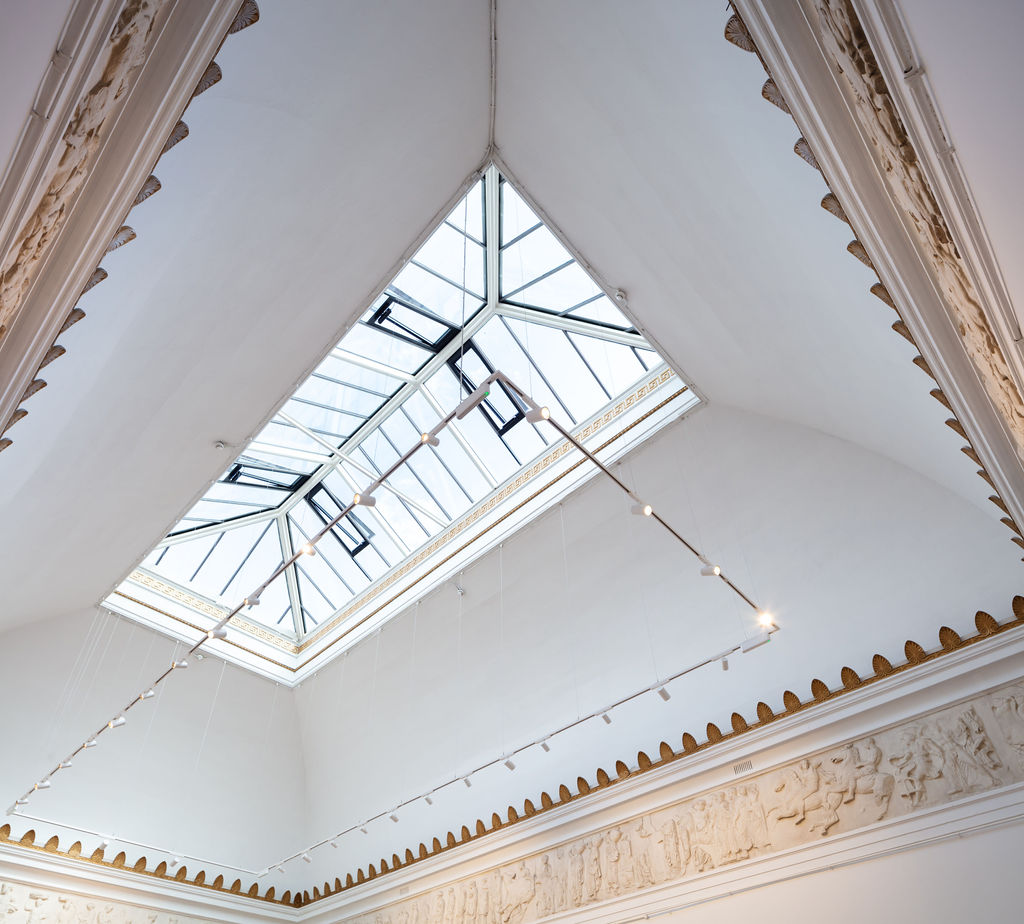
{"x":209,"y":718}
{"x":569,"y":608}
{"x":645,"y":608}
{"x":75,"y":676}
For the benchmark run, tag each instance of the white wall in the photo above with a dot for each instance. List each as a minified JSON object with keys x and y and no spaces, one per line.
{"x":972,"y":878}
{"x":852,"y":552}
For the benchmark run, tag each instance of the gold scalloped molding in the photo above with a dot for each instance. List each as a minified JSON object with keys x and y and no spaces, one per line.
{"x":216,"y":613}
{"x":938,"y":758}
{"x":915,"y":654}
{"x":127,"y":49}
{"x":877,"y":114}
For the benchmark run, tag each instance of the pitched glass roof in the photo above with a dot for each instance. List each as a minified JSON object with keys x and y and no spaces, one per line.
{"x":491,"y":289}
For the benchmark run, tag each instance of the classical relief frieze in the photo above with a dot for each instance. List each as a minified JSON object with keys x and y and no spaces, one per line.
{"x":125,"y":53}
{"x":846,"y":42}
{"x":961,"y":750}
{"x":19,"y":903}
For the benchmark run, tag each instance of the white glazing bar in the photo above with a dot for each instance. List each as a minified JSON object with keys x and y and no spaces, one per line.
{"x":291,"y":581}
{"x":460,"y":437}
{"x":248,"y":520}
{"x":574,"y":326}
{"x":362,"y":469}
{"x":371,"y":364}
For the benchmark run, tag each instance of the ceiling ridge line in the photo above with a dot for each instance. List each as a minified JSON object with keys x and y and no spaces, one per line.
{"x":493,"y":105}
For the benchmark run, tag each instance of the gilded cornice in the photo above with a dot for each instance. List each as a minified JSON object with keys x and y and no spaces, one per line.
{"x":915,"y":655}
{"x":852,"y":55}
{"x":112,"y":79}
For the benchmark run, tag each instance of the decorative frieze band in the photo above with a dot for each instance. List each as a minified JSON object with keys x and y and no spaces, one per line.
{"x":973,"y":747}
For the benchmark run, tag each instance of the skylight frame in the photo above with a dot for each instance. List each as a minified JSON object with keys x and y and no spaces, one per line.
{"x":327,"y":459}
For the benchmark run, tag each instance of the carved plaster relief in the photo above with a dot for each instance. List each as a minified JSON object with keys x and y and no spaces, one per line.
{"x":954,"y":752}
{"x":125,"y":53}
{"x":845,"y":40}
{"x":21,"y":904}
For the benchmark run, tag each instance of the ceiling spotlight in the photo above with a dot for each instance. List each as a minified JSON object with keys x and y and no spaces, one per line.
{"x":537,"y":414}
{"x":21,"y":802}
{"x":64,"y":764}
{"x":280,"y":869}
{"x":641,"y":509}
{"x":91,"y":743}
{"x":711,"y":571}
{"x":465,"y":780}
{"x":307,"y":858}
{"x":664,"y":694}
{"x":174,"y":862}
{"x":544,"y":746}
{"x":430,"y":439}
{"x":42,"y":784}
{"x":509,"y":764}
{"x":429,"y":800}
{"x":308,"y":549}
{"x":393,"y":817}
{"x":252,"y":600}
{"x":334,"y":844}
{"x":607,"y":718}
{"x":148,"y":694}
{"x":364,"y":500}
{"x":220,"y":632}
{"x":725,"y":664}
{"x":179,"y":665}
{"x":117,"y":723}
{"x":766,"y":619}
{"x":364,"y":830}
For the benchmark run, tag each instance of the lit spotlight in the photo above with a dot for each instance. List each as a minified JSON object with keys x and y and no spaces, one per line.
{"x":766,"y":619}
{"x":364,"y":500}
{"x":91,"y":743}
{"x":220,"y":632}
{"x":117,"y":723}
{"x":148,"y":694}
{"x":179,"y":665}
{"x":429,"y":439}
{"x":711,"y":571}
{"x":537,"y":414}
{"x":308,"y":549}
{"x":641,"y":509}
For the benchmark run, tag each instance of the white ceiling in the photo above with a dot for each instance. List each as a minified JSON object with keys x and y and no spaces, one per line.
{"x":821,"y":474}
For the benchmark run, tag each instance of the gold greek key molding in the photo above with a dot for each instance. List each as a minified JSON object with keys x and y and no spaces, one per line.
{"x":215,"y":612}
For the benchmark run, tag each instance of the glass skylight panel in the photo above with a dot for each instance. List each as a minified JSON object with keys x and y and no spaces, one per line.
{"x":448,"y":320}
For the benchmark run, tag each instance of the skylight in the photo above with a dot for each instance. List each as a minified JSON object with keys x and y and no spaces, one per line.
{"x":491,"y":289}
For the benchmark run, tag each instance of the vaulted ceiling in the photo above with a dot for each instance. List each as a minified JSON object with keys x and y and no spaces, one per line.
{"x":820,"y":471}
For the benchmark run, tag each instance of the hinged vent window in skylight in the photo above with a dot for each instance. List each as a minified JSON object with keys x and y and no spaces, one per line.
{"x":491,"y":289}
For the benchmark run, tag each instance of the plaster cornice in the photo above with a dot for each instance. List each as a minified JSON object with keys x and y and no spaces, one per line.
{"x":147,"y":61}
{"x":821,"y":695}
